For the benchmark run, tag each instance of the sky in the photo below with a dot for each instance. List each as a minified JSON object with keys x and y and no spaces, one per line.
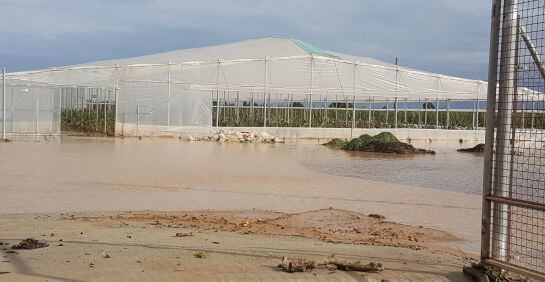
{"x":445,"y":36}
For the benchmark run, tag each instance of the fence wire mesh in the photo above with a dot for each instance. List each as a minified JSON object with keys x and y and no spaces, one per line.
{"x":514,"y":217}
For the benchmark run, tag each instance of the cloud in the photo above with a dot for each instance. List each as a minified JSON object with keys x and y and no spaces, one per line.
{"x":422,"y":33}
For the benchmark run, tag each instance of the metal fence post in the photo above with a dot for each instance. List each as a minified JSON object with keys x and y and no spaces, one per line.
{"x":4,"y":104}
{"x":310,"y":91}
{"x":265,"y":96}
{"x":500,"y":230}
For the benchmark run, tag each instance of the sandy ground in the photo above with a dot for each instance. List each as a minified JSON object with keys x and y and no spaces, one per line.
{"x":243,"y":245}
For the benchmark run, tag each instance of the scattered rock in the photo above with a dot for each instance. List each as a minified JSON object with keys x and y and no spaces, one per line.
{"x":215,"y":242}
{"x":29,"y":244}
{"x":106,"y":255}
{"x":477,"y":149}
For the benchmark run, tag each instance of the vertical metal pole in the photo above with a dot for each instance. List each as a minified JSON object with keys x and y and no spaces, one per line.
{"x":168,"y":102}
{"x":405,"y":113}
{"x":218,"y":95}
{"x":4,"y":104}
{"x":419,"y":114}
{"x":437,"y":104}
{"x":473,"y":115}
{"x":477,"y":114}
{"x":395,"y":110}
{"x":354,"y":101}
{"x":395,"y":99}
{"x":437,"y":113}
{"x":116,"y":98}
{"x":426,"y":112}
{"x":387,"y":117}
{"x":238,"y":110}
{"x":500,"y":230}
{"x":310,"y":91}
{"x":265,"y":96}
{"x":106,"y":97}
{"x":490,"y":128}
{"x":448,"y":114}
{"x":96,"y":105}
{"x":371,"y":106}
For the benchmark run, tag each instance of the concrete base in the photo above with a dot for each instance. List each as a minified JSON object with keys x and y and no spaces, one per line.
{"x":303,"y":133}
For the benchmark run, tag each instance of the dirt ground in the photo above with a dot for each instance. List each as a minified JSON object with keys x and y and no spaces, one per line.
{"x":237,"y":245}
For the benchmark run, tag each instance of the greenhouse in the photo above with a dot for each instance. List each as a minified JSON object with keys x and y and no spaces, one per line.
{"x":269,"y":82}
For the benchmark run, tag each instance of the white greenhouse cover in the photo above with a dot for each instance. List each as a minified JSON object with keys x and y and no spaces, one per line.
{"x":176,"y":88}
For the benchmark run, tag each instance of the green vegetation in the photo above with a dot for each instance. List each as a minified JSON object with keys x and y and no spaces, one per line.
{"x":359,"y":143}
{"x":336,"y":142}
{"x":88,"y":121}
{"x":297,"y":116}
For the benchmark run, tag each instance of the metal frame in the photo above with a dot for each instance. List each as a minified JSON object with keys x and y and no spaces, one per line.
{"x":513,"y":214}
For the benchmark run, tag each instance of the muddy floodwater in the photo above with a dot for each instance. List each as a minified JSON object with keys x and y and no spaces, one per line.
{"x":105,"y":174}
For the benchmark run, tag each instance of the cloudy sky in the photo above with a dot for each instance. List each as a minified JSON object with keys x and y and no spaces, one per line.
{"x":445,"y":36}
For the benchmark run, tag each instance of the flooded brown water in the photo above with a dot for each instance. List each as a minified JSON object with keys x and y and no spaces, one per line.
{"x":104,"y":174}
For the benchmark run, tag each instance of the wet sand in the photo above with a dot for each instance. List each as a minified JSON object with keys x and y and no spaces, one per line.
{"x":143,"y":246}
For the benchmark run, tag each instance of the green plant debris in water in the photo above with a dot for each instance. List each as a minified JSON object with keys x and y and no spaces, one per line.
{"x":359,"y":143}
{"x":384,"y":142}
{"x":336,"y":142}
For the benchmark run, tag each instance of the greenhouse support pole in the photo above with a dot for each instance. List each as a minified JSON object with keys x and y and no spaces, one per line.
{"x":354,"y":101}
{"x":477,"y":114}
{"x":310,"y":91}
{"x":4,"y":104}
{"x":395,"y":110}
{"x":448,"y":113}
{"x":238,"y":110}
{"x":500,"y":228}
{"x":419,"y":114}
{"x":437,"y":113}
{"x":395,"y":99}
{"x":387,"y":116}
{"x":218,"y":96}
{"x":168,"y":101}
{"x":426,"y":112}
{"x":437,"y":104}
{"x":473,"y":115}
{"x":369,"y":114}
{"x":116,"y":98}
{"x":405,"y":112}
{"x":106,"y":94}
{"x":265,"y":96}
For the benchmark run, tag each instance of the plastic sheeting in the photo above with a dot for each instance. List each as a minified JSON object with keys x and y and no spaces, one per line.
{"x":30,"y":109}
{"x":175,"y":89}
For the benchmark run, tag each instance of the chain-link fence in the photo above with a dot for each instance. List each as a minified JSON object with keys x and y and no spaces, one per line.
{"x":514,"y":178}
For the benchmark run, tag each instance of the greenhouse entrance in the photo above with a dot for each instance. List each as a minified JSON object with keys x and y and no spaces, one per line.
{"x":87,"y":110}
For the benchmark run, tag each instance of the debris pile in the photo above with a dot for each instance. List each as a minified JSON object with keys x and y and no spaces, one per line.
{"x":224,"y":136}
{"x":302,"y":265}
{"x":29,"y":244}
{"x":384,"y":142}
